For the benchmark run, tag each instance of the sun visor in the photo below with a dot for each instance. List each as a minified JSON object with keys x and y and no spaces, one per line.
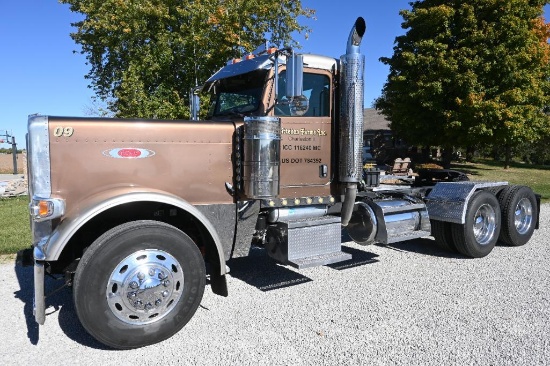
{"x":242,"y":67}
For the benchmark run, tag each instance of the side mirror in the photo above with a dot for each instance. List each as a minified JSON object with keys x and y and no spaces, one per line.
{"x":294,"y":76}
{"x":297,"y":101}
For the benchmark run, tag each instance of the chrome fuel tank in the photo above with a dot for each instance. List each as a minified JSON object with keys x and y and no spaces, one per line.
{"x":388,"y":221}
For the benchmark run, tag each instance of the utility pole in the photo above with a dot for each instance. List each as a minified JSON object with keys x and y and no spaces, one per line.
{"x":13,"y":148}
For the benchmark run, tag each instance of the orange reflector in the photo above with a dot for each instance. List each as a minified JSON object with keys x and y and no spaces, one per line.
{"x":271,"y":50}
{"x":249,"y":57}
{"x":236,"y":60}
{"x":44,"y":208}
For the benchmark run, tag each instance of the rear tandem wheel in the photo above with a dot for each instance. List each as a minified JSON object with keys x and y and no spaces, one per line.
{"x":442,"y":233}
{"x":478,"y":235}
{"x":519,"y":214}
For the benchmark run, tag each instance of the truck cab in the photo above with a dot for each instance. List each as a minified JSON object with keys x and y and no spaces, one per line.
{"x":306,"y":142}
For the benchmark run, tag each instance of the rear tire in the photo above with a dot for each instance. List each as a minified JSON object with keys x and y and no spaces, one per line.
{"x":138,"y":284}
{"x":442,"y":232}
{"x":519,"y":215}
{"x":479,"y":234}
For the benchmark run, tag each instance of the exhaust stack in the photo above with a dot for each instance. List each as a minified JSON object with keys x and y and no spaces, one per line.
{"x":351,"y":117}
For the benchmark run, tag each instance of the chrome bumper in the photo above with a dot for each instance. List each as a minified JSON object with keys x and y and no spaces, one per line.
{"x":39,"y":301}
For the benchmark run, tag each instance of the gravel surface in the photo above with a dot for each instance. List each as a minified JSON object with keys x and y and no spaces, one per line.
{"x":405,"y":304}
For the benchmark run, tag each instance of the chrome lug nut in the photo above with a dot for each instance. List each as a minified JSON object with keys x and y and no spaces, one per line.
{"x":151,"y":272}
{"x":161,"y":275}
{"x":134,"y":284}
{"x":164,"y":293}
{"x":148,"y":306}
{"x":140,"y":275}
{"x":166,"y":283}
{"x":157,"y":303}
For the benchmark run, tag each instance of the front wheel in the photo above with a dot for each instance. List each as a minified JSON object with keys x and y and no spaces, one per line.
{"x":138,"y":284}
{"x":479,"y":234}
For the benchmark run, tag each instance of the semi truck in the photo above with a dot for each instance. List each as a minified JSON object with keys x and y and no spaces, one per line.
{"x":137,"y":215}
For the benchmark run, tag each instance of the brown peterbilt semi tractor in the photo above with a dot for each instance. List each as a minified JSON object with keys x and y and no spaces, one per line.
{"x":135,"y":214}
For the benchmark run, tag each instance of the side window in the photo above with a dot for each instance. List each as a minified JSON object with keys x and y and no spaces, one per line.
{"x":316,"y":89}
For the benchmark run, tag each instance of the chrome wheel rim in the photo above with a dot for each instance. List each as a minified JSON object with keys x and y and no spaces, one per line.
{"x":523,"y":216}
{"x":485,"y":224}
{"x":145,"y":286}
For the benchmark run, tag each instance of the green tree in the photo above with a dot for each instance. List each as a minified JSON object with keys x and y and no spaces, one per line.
{"x":470,"y":73}
{"x":145,"y":55}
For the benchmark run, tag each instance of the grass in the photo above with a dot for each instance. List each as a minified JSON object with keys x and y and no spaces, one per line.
{"x":534,"y":176}
{"x":14,"y":215}
{"x":14,"y":225}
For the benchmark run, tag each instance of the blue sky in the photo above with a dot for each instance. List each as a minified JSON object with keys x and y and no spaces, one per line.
{"x":39,"y":73}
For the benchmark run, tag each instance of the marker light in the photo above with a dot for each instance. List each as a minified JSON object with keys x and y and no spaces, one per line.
{"x":46,"y":208}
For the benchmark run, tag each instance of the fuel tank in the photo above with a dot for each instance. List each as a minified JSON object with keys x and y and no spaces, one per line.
{"x":388,"y":221}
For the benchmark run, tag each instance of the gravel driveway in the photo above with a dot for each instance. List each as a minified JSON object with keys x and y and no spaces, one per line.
{"x":405,"y":304}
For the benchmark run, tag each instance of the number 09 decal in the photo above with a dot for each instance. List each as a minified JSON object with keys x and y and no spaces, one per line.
{"x":63,"y":131}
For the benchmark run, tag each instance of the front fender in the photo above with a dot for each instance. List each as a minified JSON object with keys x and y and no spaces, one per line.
{"x":96,"y":204}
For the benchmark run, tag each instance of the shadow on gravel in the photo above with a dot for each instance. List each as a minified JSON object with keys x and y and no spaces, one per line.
{"x":60,"y":301}
{"x":69,"y":323}
{"x":25,"y":294}
{"x":422,"y":246}
{"x":264,"y":273}
{"x":359,"y":258}
{"x":261,"y":271}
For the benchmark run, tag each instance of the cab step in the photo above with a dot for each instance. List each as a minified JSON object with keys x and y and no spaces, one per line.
{"x":307,"y":243}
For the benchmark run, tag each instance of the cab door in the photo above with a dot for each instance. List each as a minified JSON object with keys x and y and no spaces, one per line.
{"x":306,"y":141}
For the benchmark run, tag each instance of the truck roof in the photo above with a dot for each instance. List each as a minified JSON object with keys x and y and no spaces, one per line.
{"x":266,"y":61}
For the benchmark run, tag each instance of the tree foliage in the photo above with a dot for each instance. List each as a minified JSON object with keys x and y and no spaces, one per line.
{"x":145,"y":55}
{"x":469,"y":73}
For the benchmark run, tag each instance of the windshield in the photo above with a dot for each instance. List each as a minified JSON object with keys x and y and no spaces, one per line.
{"x":239,"y":94}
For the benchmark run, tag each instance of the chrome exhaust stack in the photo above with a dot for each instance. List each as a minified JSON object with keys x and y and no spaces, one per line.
{"x":352,"y":66}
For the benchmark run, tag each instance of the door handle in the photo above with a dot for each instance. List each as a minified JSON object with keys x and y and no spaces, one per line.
{"x":323,"y":171}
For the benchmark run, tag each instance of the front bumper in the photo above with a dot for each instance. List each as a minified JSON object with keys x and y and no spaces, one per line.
{"x":39,"y":302}
{"x":35,"y":257}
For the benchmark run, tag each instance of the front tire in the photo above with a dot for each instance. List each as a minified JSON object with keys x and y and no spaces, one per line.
{"x":138,"y":284}
{"x":479,"y":234}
